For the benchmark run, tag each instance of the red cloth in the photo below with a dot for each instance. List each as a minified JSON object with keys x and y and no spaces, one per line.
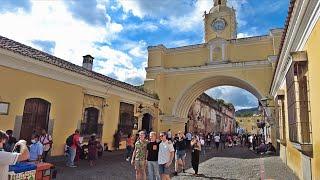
{"x":75,"y":143}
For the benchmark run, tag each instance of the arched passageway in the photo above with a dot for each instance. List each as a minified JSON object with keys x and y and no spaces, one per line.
{"x":190,"y":94}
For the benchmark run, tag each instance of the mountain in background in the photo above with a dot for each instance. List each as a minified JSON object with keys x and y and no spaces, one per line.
{"x":247,"y":112}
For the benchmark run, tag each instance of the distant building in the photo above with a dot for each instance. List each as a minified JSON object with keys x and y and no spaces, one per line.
{"x":208,"y":115}
{"x":249,"y":124}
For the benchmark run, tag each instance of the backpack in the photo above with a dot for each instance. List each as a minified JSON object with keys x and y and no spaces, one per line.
{"x":69,"y":140}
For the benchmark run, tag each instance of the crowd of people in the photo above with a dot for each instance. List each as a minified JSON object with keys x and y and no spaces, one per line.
{"x":147,"y":152}
{"x":154,"y":154}
{"x":75,"y":149}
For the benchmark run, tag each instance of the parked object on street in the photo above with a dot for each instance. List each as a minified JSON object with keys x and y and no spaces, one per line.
{"x":44,"y":171}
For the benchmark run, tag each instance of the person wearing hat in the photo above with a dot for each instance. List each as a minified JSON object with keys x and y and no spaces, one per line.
{"x":92,"y":149}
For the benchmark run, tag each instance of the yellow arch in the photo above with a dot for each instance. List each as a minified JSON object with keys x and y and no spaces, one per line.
{"x":190,"y":94}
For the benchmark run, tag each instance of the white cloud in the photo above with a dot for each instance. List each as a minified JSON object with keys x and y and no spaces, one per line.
{"x":179,"y":15}
{"x":120,"y":64}
{"x":243,"y":35}
{"x":241,"y":13}
{"x":50,"y":20}
{"x":240,"y":98}
{"x":145,"y":26}
{"x":140,"y":50}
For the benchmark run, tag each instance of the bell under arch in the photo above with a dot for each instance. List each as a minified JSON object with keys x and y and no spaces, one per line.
{"x":190,"y":94}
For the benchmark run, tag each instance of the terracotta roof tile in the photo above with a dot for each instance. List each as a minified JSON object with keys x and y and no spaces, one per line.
{"x":35,"y":54}
{"x":286,"y":26}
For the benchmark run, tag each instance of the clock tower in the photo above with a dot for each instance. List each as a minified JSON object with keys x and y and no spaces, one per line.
{"x":220,"y":21}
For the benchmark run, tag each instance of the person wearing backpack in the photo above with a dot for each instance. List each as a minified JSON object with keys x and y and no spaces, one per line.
{"x":46,"y":141}
{"x":72,"y":143}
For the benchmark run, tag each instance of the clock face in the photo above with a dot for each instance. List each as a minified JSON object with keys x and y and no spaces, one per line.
{"x":219,"y":25}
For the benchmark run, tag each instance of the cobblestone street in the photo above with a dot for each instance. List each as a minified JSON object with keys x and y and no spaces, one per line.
{"x":232,"y":163}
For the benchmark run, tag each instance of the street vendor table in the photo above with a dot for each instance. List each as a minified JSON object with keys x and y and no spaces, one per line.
{"x":22,"y":171}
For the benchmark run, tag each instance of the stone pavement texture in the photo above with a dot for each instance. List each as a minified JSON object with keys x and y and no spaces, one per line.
{"x":231,"y":163}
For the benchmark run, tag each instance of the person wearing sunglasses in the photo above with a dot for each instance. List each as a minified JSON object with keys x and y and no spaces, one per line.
{"x":166,"y":154}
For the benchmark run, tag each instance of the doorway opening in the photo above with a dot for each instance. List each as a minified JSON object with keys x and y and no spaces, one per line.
{"x":147,"y":122}
{"x":35,"y":117}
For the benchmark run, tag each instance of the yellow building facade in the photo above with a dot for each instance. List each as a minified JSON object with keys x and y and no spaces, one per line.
{"x":249,"y":124}
{"x":40,"y":91}
{"x":295,"y":89}
{"x":180,"y":75}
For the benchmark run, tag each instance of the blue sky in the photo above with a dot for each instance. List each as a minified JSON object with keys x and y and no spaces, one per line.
{"x":118,"y":32}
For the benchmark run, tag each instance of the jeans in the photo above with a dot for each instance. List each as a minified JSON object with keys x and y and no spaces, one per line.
{"x":129,"y":151}
{"x":71,"y":155}
{"x":153,"y":170}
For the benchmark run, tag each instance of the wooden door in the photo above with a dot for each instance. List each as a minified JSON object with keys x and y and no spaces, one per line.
{"x":35,"y":117}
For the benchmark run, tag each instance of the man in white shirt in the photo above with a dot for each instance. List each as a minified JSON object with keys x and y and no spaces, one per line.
{"x":166,"y":154}
{"x":217,"y":141}
{"x":250,"y":138}
{"x":6,"y":158}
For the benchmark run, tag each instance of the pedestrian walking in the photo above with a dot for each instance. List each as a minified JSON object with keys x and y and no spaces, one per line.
{"x":169,"y":134}
{"x":217,"y":141}
{"x":195,"y":154}
{"x":229,"y":139}
{"x":223,"y":141}
{"x":92,"y":149}
{"x":208,"y":140}
{"x":99,"y":149}
{"x":130,"y":147}
{"x":202,"y":142}
{"x":72,"y":143}
{"x":165,"y":157}
{"x":152,"y":157}
{"x":46,"y":141}
{"x":117,"y":137}
{"x":188,"y":139}
{"x":250,"y":140}
{"x":139,"y":156}
{"x":180,"y":147}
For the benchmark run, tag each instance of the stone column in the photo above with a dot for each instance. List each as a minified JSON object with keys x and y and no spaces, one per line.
{"x":210,"y":60}
{"x":223,"y":51}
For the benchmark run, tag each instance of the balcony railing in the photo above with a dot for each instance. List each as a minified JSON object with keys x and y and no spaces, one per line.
{"x":87,"y":129}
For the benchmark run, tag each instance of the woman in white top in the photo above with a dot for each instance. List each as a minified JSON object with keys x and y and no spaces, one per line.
{"x":8,"y":158}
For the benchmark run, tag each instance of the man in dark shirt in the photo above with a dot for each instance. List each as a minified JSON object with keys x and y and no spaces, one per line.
{"x":180,"y":147}
{"x":152,"y":157}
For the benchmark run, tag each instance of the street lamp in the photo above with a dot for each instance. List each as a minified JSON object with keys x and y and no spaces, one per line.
{"x":264,"y":105}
